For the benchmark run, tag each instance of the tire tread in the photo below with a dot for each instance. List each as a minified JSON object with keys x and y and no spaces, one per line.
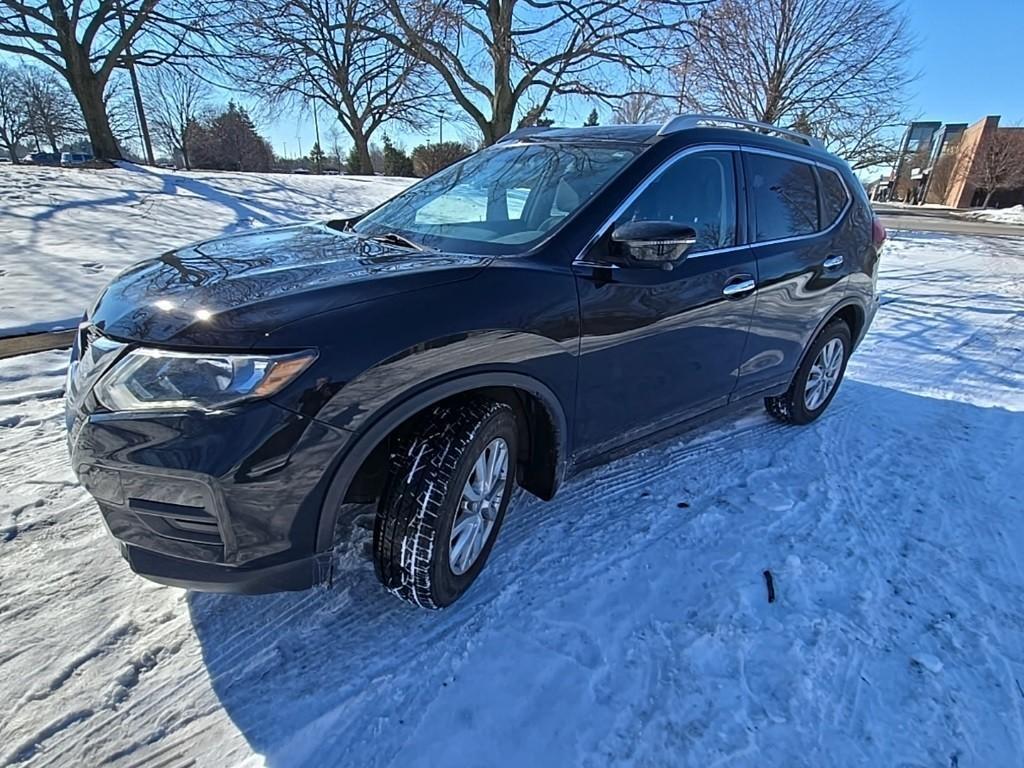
{"x":784,"y":407}
{"x":423,"y":461}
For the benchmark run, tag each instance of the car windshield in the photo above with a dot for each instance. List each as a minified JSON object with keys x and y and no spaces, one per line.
{"x":498,"y":201}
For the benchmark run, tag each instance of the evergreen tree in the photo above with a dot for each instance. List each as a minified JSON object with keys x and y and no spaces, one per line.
{"x":352,"y":161}
{"x":396,"y":161}
{"x":592,"y":119}
{"x":229,"y":142}
{"x":317,"y":157}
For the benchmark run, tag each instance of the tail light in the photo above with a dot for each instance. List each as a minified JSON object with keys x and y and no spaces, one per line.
{"x":878,"y":233}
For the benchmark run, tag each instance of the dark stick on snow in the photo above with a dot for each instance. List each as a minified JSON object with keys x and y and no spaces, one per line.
{"x":1018,"y":686}
{"x":771,"y":586}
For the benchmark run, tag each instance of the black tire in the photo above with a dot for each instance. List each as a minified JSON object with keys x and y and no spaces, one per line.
{"x":791,"y":407}
{"x":430,"y":465}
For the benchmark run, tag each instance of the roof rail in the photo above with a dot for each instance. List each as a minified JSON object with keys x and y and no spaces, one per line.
{"x":685,"y":122}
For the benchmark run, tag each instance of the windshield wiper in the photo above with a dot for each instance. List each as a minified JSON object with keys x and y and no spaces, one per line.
{"x":393,"y":238}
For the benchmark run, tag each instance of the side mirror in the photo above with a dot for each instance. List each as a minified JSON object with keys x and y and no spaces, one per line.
{"x":652,"y":243}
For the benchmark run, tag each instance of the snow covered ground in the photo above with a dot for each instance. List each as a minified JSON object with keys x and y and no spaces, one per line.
{"x":1013,"y":215}
{"x":64,"y":233}
{"x":625,"y":623}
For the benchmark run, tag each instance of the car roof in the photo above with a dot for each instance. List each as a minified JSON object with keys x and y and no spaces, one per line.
{"x":688,"y":129}
{"x":637,"y":134}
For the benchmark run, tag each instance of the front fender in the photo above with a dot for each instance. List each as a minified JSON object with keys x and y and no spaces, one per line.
{"x":389,"y":417}
{"x":531,"y":357}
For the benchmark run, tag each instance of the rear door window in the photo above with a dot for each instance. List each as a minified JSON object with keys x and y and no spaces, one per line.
{"x":784,"y":194}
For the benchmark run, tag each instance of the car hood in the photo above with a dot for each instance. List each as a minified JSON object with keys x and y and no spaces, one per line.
{"x":231,"y":291}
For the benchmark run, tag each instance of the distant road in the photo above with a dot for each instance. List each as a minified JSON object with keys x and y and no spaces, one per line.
{"x":940,"y":220}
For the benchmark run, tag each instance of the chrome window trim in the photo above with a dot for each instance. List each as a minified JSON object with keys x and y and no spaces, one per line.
{"x":653,"y":175}
{"x":639,"y":189}
{"x":611,"y":265}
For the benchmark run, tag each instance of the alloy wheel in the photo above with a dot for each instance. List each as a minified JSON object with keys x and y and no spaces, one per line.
{"x":479,"y":506}
{"x":824,"y":374}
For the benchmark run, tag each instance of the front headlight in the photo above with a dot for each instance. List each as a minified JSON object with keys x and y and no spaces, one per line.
{"x":147,"y":379}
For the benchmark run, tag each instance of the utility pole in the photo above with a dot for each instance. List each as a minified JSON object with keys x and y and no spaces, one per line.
{"x":316,"y":129}
{"x":140,"y":112}
{"x":440,"y":126}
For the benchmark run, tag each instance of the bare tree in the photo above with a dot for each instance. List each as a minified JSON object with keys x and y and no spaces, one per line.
{"x":14,"y":122}
{"x":84,"y":41}
{"x":940,"y":178}
{"x":177,"y":98}
{"x":999,"y":165}
{"x":904,"y":186}
{"x":639,"y":108}
{"x":53,"y":116}
{"x":308,"y":51}
{"x":500,"y":58}
{"x":835,"y":65}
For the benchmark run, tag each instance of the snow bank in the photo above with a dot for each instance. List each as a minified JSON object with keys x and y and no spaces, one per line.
{"x":1014,"y":215}
{"x":625,"y":623}
{"x":64,"y":233}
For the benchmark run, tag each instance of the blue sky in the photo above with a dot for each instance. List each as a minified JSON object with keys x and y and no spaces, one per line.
{"x":969,"y":53}
{"x":970,"y":56}
{"x":971,"y":59}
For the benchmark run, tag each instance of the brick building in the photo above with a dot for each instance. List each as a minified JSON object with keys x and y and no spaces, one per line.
{"x":942,"y":163}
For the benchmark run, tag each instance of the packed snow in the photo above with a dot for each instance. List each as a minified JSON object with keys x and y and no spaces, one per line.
{"x":1012,"y":215}
{"x":625,"y":623}
{"x":65,"y":232}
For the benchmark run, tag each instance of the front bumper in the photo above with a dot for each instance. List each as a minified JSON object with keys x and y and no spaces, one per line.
{"x":212,"y":577}
{"x":227,"y":502}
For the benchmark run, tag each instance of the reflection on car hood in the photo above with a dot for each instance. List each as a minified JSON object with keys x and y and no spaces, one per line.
{"x":231,"y":291}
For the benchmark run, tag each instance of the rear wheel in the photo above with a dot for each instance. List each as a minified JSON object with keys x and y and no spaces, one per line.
{"x":817,"y":379}
{"x":450,"y":481}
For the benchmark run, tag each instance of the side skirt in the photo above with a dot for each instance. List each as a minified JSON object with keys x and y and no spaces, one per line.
{"x":687,"y":424}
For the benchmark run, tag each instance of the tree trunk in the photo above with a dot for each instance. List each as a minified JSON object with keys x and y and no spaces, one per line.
{"x":362,"y":146}
{"x":89,"y":93}
{"x":500,"y":123}
{"x":988,"y":197}
{"x":12,"y":150}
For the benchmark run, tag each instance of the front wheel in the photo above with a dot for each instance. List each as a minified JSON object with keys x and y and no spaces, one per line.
{"x":449,"y":485}
{"x":817,"y":379}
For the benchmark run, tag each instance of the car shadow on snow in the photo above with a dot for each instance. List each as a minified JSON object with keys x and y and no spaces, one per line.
{"x":648,"y":561}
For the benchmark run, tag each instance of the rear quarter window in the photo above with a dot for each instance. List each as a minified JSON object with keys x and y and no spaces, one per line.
{"x":834,"y":196}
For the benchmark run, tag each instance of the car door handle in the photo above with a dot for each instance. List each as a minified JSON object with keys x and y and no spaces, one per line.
{"x":739,"y":285}
{"x":833,"y":261}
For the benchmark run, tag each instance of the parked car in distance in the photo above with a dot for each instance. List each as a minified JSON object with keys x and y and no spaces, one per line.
{"x":301,"y":171}
{"x":559,"y":298}
{"x":4,"y":159}
{"x":71,"y":159}
{"x":42,"y":158}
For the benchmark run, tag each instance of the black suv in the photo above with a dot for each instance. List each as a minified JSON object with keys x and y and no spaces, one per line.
{"x":558,"y":298}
